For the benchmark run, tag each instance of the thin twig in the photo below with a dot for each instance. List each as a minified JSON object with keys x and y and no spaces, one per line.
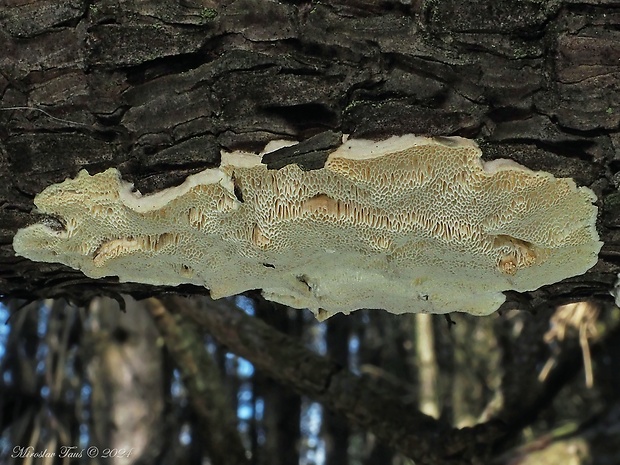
{"x":45,"y":113}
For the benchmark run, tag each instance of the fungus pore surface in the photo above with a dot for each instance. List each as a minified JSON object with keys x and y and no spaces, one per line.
{"x":408,"y":224}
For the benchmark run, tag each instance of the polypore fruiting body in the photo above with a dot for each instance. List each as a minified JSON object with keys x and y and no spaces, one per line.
{"x":408,"y":224}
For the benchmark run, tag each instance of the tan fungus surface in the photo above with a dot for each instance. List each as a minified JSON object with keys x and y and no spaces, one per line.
{"x":408,"y":224}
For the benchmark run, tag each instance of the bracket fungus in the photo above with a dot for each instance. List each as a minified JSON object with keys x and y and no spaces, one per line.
{"x":408,"y":224}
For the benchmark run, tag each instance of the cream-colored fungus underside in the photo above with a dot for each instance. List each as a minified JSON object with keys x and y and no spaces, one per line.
{"x":408,"y":224}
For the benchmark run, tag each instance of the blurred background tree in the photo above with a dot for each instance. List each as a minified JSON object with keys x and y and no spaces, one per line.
{"x":96,"y":376}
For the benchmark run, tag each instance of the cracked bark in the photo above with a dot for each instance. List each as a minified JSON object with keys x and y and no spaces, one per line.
{"x":157,"y":88}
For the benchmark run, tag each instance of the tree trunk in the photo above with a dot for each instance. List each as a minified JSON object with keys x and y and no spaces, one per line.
{"x":281,"y":414}
{"x":217,"y":420}
{"x":334,"y":427}
{"x":157,"y":88}
{"x":124,"y":366}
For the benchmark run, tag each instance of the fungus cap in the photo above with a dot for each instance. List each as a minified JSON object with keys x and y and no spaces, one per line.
{"x":408,"y":224}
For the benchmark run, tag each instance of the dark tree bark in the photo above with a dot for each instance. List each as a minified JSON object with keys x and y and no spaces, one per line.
{"x":157,"y":88}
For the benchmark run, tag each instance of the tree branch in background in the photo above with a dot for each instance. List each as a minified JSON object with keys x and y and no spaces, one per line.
{"x":204,"y":385}
{"x":427,"y":363}
{"x":424,"y":439}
